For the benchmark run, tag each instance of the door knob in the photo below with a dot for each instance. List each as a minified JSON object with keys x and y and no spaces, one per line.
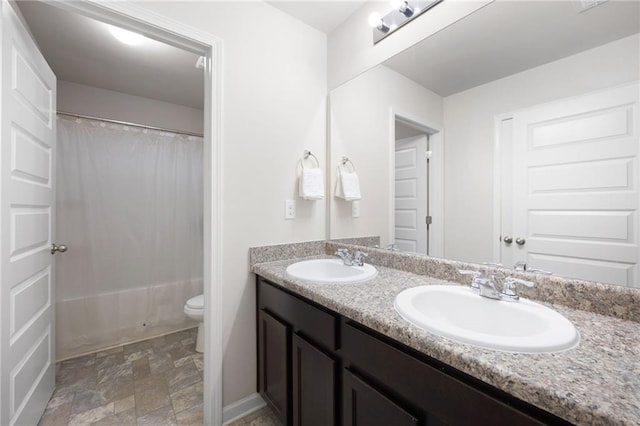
{"x":61,"y":248}
{"x":507,"y":240}
{"x":520,"y":241}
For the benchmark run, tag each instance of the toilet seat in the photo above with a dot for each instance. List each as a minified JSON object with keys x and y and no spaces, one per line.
{"x":196,"y":302}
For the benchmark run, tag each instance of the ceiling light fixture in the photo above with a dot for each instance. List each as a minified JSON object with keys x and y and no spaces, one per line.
{"x":127,"y":37}
{"x":404,"y":11}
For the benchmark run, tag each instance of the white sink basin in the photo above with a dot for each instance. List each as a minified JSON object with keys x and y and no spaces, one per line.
{"x":460,"y":314}
{"x":331,"y":271}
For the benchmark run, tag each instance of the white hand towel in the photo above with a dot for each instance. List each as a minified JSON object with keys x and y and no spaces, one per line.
{"x":311,"y":184}
{"x":348,"y":186}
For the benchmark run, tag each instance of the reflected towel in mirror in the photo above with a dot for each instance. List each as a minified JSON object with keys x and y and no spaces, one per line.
{"x":348,"y":186}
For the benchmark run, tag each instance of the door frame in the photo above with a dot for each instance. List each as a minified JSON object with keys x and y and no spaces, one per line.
{"x":435,"y":178}
{"x":497,"y":185}
{"x":167,"y":30}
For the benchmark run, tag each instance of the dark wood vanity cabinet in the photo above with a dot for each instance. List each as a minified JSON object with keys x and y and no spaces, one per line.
{"x":297,"y":364}
{"x":318,"y":368}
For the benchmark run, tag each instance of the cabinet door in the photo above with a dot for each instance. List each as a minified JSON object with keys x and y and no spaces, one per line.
{"x":273,"y":358}
{"x":314,"y":377}
{"x":364,"y":405}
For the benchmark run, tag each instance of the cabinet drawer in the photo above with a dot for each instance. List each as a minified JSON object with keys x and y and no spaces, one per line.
{"x":423,"y":385}
{"x":314,"y":323}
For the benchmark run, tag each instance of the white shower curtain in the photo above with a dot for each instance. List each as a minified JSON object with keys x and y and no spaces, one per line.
{"x":129,"y":207}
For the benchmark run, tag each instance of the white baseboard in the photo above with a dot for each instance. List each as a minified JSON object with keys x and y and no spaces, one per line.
{"x":241,"y":408}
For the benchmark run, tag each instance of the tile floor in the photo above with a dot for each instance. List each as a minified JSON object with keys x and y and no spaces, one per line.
{"x":262,"y":417}
{"x":153,"y":382}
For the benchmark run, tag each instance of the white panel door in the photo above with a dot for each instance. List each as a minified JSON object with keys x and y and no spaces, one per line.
{"x":411,"y":196}
{"x":27,"y":130}
{"x":576,"y":186}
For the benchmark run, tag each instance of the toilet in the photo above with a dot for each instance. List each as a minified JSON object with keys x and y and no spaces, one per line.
{"x":194,"y":309}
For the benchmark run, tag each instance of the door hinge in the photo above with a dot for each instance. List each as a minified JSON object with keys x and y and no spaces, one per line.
{"x":428,"y":220}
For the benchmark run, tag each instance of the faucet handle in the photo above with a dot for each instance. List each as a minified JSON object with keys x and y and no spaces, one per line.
{"x":342,"y":250}
{"x":508,"y":287}
{"x":358,"y":258}
{"x":475,"y":275}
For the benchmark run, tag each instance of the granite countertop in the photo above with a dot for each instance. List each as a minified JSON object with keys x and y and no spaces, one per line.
{"x":596,"y":383}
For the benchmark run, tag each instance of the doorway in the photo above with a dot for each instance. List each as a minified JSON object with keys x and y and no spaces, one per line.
{"x":171,"y":32}
{"x":416,"y":187}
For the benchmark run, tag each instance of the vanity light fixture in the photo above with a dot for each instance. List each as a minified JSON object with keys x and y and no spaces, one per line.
{"x":403,"y":12}
{"x":376,"y":21}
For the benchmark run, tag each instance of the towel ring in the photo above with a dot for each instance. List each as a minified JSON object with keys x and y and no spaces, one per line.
{"x":306,"y":156}
{"x":345,"y":160}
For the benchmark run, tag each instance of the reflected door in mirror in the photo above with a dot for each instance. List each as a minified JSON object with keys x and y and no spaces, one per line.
{"x":411,"y":194}
{"x":575,"y":186}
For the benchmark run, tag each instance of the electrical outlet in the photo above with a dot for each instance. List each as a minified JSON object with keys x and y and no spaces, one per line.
{"x":355,"y":208}
{"x":290,"y":209}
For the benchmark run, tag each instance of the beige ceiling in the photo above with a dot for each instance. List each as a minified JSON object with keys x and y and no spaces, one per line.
{"x":82,"y":50}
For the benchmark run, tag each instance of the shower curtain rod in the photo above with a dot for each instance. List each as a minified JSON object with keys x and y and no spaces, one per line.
{"x":126,"y":123}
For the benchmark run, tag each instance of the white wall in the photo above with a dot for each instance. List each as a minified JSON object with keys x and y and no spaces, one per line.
{"x":274,"y":107}
{"x":469,"y":133}
{"x":361,"y":121}
{"x":350,"y":46}
{"x":96,"y":102}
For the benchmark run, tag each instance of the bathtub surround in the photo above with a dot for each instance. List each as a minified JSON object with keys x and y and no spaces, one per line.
{"x":129,"y":205}
{"x":597,"y":382}
{"x":142,"y":312}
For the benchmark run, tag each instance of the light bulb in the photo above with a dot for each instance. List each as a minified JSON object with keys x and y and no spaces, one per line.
{"x":126,"y":37}
{"x":374,"y":19}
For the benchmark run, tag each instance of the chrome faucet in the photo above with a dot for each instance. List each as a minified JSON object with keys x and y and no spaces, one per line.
{"x":349,"y":259}
{"x":358,"y":258}
{"x":508,"y":288}
{"x":484,"y":284}
{"x":346,"y":257}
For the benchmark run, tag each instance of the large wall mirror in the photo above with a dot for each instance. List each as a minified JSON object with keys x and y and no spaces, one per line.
{"x":511,"y":136}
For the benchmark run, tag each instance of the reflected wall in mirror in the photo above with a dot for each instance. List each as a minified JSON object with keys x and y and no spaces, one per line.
{"x":529,"y":112}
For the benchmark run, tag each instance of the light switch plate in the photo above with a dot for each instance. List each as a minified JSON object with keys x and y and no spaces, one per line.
{"x":355,"y":208}
{"x":290,"y":209}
